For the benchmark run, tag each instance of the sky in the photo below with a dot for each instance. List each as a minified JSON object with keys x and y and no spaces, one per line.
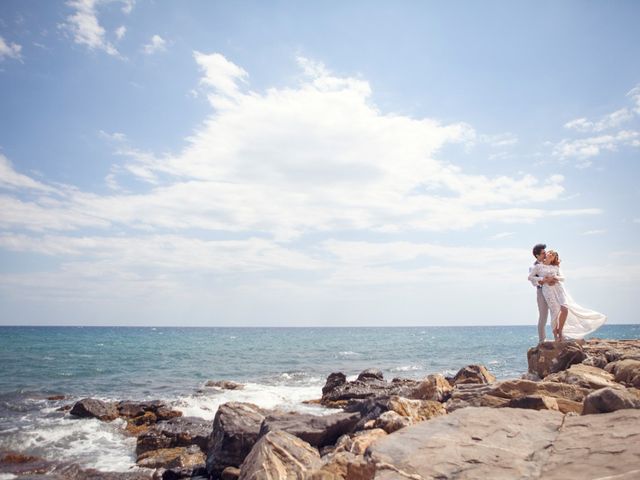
{"x":299,"y":163}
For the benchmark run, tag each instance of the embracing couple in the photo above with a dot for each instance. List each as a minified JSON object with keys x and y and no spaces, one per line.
{"x":568,"y":319}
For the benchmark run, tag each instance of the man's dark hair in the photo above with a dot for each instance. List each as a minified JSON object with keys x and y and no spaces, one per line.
{"x":538,"y":248}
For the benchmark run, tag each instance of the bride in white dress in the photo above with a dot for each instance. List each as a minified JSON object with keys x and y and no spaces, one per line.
{"x":568,"y":319}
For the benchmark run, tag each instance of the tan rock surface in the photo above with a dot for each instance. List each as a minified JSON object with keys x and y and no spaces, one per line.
{"x":486,"y":443}
{"x":473,"y":374}
{"x":611,"y":399}
{"x":279,"y":455}
{"x":552,"y":357}
{"x":416,"y":410}
{"x":584,"y":376}
{"x":433,"y":387}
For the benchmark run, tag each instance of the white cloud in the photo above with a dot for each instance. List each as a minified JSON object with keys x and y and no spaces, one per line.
{"x":127,"y":6}
{"x":594,"y":232}
{"x":501,"y":235}
{"x":86,"y":28}
{"x":120,"y":32}
{"x":9,"y":50}
{"x":156,"y":44}
{"x":12,"y":180}
{"x":586,"y":148}
{"x":220,"y":74}
{"x":607,"y":122}
{"x":114,"y":136}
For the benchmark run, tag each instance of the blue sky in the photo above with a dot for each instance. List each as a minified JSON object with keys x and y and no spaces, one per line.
{"x":315,"y":163}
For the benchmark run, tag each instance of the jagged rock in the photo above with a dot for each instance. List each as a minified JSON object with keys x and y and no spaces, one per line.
{"x":178,"y":457}
{"x":180,"y":473}
{"x":343,"y":465}
{"x":334,"y":380}
{"x":391,"y":421}
{"x":626,"y":372}
{"x":236,"y":427}
{"x":337,"y":392}
{"x":177,"y":432}
{"x":610,"y":399}
{"x":371,"y":374}
{"x":553,"y":357}
{"x":511,"y":443}
{"x":279,"y":455}
{"x":473,"y":374}
{"x":133,"y":410}
{"x":433,"y":387}
{"x":316,"y":430}
{"x":607,"y":351}
{"x":358,"y":442}
{"x":224,"y":385}
{"x":584,"y":376}
{"x":534,"y":402}
{"x":93,"y":408}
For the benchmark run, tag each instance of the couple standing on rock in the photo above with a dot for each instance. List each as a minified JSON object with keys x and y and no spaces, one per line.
{"x":568,"y":319}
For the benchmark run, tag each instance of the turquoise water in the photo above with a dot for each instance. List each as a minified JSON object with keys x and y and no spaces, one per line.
{"x":281,"y":367}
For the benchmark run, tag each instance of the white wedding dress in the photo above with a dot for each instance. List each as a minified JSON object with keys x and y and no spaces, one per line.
{"x":580,"y":321}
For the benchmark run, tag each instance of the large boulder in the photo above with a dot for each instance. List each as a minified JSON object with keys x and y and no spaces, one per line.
{"x":159,"y":410}
{"x":177,"y":432}
{"x":236,"y":428}
{"x":609,"y":399}
{"x":280,"y":455}
{"x":433,"y":387}
{"x":473,"y":374}
{"x":224,"y":385}
{"x":391,"y":421}
{"x":510,"y":443}
{"x":601,"y":352}
{"x":585,"y":376}
{"x":416,"y":410}
{"x":318,"y":431}
{"x":626,"y":372}
{"x":94,"y":408}
{"x":552,"y":357}
{"x":371,"y":374}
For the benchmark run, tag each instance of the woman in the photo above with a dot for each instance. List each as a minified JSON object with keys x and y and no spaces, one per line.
{"x":567,"y":317}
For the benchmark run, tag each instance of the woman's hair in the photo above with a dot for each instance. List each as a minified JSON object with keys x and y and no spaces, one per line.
{"x":556,"y":258}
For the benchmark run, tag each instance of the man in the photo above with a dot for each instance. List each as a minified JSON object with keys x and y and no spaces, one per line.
{"x":539,"y":253}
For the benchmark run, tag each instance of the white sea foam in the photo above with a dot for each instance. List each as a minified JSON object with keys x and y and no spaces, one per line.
{"x":88,"y":442}
{"x":283,"y":397}
{"x":406,"y":368}
{"x":349,"y":353}
{"x":7,"y":476}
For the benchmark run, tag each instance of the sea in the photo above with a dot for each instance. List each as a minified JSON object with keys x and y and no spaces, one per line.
{"x":280,"y":368}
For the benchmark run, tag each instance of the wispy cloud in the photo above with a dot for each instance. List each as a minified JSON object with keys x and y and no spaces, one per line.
{"x":594,"y":232}
{"x":156,"y":44}
{"x":9,"y":50}
{"x":86,"y":28}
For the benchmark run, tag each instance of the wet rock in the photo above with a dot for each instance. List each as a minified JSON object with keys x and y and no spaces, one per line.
{"x":626,"y":372}
{"x":279,"y":455}
{"x":433,"y":387}
{"x":585,"y":376}
{"x":30,"y":467}
{"x":236,"y":427}
{"x":177,"y":432}
{"x":334,"y":380}
{"x":609,"y":399}
{"x":224,"y":385}
{"x":318,"y":431}
{"x":180,"y":473}
{"x":93,"y":408}
{"x":178,"y":457}
{"x":391,"y":421}
{"x":371,"y":374}
{"x":552,"y":357}
{"x":473,"y":374}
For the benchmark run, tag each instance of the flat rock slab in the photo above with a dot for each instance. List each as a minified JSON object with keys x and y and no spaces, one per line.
{"x":486,"y":443}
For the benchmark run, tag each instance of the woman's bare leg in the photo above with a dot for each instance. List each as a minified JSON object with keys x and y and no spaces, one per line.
{"x":562,"y":317}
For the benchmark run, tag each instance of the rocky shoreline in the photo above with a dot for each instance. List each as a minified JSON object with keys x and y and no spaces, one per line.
{"x":575,"y":414}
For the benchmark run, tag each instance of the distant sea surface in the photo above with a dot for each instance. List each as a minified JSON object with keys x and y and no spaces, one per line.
{"x":281,"y":367}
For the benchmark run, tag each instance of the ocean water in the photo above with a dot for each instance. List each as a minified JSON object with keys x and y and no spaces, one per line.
{"x":281,"y":367}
